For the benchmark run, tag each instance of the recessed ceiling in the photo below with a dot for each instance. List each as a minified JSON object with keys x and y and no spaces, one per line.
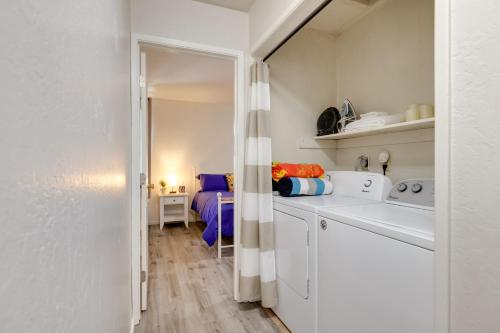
{"x":182,"y":75}
{"x":241,"y":5}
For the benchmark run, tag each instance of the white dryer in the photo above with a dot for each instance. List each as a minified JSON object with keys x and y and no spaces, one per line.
{"x":296,"y":224}
{"x":376,"y":264}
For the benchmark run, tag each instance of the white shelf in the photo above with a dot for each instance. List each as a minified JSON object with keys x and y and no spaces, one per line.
{"x":399,"y":127}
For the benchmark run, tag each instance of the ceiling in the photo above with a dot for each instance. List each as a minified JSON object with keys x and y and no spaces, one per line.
{"x":241,"y":5}
{"x":188,"y":76}
{"x":334,"y":18}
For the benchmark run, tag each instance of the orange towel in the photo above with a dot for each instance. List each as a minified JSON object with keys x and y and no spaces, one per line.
{"x":281,"y":170}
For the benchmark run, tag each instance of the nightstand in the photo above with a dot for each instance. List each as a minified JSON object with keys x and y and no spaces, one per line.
{"x":174,"y":208}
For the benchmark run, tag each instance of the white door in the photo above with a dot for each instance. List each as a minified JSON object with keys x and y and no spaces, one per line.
{"x":295,"y":248}
{"x":292,"y":252}
{"x":144,"y":184}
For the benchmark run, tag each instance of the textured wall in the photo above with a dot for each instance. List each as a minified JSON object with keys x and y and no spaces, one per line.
{"x":475,"y":172}
{"x":65,"y":141}
{"x":187,"y":135}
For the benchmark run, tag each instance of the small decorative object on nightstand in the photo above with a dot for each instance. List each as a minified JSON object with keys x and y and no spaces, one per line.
{"x":163,"y":186}
{"x":182,"y":189}
{"x":174,"y":208}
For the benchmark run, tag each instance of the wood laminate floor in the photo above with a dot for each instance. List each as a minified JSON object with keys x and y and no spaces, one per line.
{"x":190,"y":290}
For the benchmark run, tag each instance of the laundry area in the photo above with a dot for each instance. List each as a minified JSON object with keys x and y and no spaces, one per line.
{"x":352,"y":123}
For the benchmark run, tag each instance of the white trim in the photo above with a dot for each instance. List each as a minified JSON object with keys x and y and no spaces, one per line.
{"x":132,"y":326}
{"x":135,"y":210}
{"x":388,"y":139}
{"x":294,"y":14}
{"x":239,"y":126}
{"x":442,"y":168}
{"x":241,"y":77}
{"x":144,"y":190}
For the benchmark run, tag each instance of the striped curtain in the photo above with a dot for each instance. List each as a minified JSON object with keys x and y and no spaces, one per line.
{"x":258,"y":269}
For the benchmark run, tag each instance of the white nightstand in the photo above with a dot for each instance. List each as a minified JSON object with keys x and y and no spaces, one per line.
{"x":174,"y":208}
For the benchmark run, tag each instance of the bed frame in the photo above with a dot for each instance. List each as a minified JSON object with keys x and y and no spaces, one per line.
{"x":221,"y":202}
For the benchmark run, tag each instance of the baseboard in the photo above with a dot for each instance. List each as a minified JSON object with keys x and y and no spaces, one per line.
{"x":153,"y":222}
{"x":132,"y":326}
{"x":157,"y":222}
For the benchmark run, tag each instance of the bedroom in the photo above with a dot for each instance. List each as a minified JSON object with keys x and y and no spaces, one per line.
{"x":190,"y":145}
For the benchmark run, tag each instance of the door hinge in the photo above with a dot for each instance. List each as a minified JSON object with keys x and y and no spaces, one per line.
{"x":307,"y":240}
{"x":143,"y":179}
{"x":143,"y":278}
{"x":142,"y":81}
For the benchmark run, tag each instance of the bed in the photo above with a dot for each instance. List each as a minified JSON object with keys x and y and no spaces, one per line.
{"x":215,"y":206}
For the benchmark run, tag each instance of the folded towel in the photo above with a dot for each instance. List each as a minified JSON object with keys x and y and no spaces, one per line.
{"x":373,"y":120}
{"x":294,"y":186}
{"x":281,"y":170}
{"x":373,"y":114}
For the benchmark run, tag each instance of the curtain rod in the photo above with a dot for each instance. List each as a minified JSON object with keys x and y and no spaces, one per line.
{"x":298,"y":28}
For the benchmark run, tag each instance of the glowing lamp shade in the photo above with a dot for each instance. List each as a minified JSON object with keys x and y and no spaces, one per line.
{"x":172,"y":182}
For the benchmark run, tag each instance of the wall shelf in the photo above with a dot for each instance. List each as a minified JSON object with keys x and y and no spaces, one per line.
{"x":399,"y":127}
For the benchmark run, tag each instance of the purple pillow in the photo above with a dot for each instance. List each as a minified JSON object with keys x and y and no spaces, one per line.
{"x":210,"y":182}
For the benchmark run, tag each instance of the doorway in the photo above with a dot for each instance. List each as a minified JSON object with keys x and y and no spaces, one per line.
{"x":139,"y":184}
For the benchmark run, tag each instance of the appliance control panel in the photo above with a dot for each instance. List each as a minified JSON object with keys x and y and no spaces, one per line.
{"x":367,"y":185}
{"x":417,"y":193}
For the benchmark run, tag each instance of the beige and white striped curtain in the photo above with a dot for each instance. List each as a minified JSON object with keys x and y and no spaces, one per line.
{"x":258,"y":269}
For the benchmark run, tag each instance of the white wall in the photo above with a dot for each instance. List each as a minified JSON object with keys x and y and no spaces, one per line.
{"x":385,"y":62}
{"x":191,"y":21}
{"x":412,"y":153}
{"x":475,"y":175}
{"x":65,"y":142}
{"x":300,"y":91}
{"x":187,"y":135}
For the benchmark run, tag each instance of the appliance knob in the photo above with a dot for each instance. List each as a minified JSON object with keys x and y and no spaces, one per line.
{"x":402,"y":187}
{"x":323,"y":224}
{"x":416,"y":188}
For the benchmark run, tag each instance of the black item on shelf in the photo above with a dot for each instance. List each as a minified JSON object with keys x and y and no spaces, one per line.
{"x":327,"y":121}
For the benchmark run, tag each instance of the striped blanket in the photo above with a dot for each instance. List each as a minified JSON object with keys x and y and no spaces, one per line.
{"x":294,"y":186}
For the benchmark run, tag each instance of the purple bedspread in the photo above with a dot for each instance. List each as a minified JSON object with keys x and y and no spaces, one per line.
{"x":205,"y":203}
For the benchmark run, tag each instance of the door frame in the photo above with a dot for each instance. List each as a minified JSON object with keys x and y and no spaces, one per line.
{"x":240,"y":78}
{"x":442,"y":168}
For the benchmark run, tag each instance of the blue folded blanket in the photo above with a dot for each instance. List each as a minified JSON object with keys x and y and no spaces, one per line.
{"x":293,"y":186}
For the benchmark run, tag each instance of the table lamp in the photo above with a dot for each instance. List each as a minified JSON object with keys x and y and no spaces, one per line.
{"x":172,"y":182}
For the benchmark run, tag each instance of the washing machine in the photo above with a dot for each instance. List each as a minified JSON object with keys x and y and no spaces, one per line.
{"x":376,"y":264}
{"x":296,"y":225}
